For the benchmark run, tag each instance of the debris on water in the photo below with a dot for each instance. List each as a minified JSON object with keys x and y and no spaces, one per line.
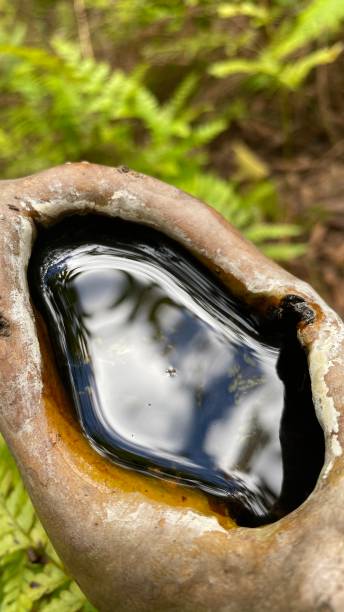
{"x":172,"y":372}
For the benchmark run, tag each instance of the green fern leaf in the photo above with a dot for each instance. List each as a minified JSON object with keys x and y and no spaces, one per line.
{"x":267,"y":231}
{"x":284,"y":252}
{"x":247,"y":9}
{"x":295,"y":72}
{"x":181,"y":95}
{"x":318,"y":18}
{"x":70,"y":599}
{"x":31,"y":574}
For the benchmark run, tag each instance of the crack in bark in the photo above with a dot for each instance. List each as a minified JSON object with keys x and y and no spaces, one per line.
{"x":4,"y":327}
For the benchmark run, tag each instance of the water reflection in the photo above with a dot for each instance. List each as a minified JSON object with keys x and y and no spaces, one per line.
{"x":166,"y":369}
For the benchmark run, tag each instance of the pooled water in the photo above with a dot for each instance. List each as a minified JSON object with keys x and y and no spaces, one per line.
{"x":170,"y":375}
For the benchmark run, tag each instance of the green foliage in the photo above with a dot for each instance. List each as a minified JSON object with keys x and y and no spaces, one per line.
{"x":31,"y":575}
{"x":320,"y":18}
{"x":66,"y":107}
{"x":289,"y":75}
{"x":317,"y":20}
{"x":155,"y":85}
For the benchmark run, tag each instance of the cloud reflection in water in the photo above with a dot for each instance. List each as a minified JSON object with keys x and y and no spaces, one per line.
{"x":165,"y":368}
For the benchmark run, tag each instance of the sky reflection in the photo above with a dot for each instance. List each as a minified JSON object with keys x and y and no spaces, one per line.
{"x":165,"y":368}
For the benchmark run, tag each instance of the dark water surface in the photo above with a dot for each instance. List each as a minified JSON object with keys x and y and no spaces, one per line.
{"x":168,"y":372}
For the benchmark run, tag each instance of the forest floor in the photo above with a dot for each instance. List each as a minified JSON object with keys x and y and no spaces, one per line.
{"x":309,"y":175}
{"x":311,"y":192}
{"x":314,"y":195}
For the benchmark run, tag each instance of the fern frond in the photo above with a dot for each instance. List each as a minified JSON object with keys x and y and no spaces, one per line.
{"x":216,"y":192}
{"x":181,"y":95}
{"x":266,"y":231}
{"x":295,"y":72}
{"x":284,"y":252}
{"x":320,"y":17}
{"x":31,"y":574}
{"x":247,"y":9}
{"x":70,"y":599}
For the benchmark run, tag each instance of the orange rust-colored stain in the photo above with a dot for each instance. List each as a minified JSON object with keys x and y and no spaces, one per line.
{"x":66,"y":435}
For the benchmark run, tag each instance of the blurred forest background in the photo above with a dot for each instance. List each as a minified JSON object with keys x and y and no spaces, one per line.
{"x":239,"y":103}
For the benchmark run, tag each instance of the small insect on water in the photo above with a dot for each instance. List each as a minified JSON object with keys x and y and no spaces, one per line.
{"x":171,"y":371}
